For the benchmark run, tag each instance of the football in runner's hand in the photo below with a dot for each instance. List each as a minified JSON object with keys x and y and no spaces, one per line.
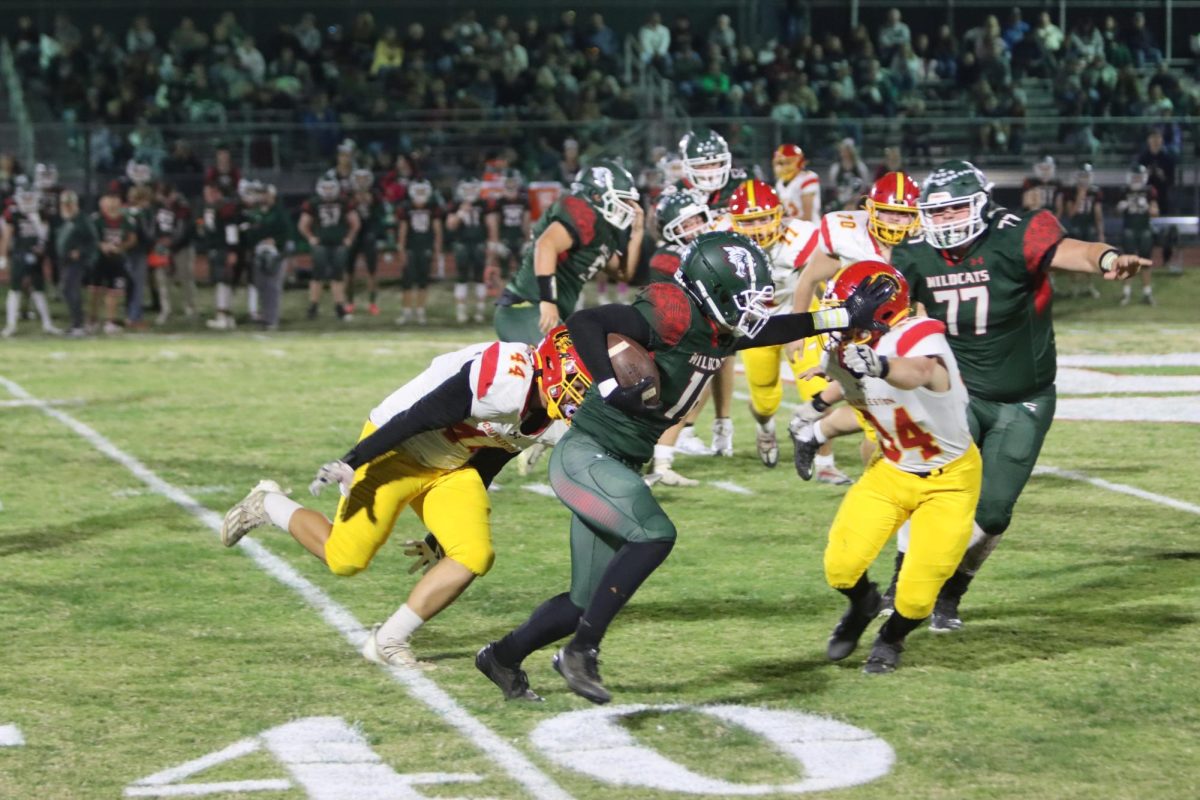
{"x":631,"y":363}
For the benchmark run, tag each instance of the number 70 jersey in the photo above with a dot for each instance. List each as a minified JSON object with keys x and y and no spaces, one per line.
{"x":994,"y":300}
{"x":919,"y":430}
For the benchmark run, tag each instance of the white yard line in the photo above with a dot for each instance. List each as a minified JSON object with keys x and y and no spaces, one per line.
{"x":10,"y":736}
{"x":338,"y":617}
{"x":729,"y":486}
{"x":1121,"y":488}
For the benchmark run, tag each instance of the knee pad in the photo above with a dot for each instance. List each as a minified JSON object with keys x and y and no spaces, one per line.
{"x":994,"y":518}
{"x":914,"y":607}
{"x":657,"y":528}
{"x":840,"y":574}
{"x":765,"y":399}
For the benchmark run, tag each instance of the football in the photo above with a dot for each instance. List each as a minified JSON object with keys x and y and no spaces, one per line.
{"x":631,"y":363}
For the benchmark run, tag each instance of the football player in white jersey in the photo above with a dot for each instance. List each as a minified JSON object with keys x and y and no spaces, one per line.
{"x":799,"y":189}
{"x":435,"y":444}
{"x":904,"y":379}
{"x":756,"y":211}
{"x":846,"y":238}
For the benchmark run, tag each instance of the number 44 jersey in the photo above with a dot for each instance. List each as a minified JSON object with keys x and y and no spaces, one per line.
{"x":994,"y":299}
{"x":919,"y":430}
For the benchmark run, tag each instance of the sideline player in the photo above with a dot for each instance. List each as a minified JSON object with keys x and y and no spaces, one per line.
{"x":983,"y":271}
{"x":619,"y":532}
{"x":433,"y":444}
{"x":905,"y":381}
{"x":799,"y":189}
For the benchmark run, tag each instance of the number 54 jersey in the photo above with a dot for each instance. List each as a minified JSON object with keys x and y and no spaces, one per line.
{"x":919,"y":430}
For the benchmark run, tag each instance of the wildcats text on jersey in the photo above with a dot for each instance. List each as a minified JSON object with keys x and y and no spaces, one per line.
{"x":958,"y":279}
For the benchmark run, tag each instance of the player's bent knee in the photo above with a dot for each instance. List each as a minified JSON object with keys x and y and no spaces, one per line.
{"x":657,"y":529}
{"x":477,"y":558}
{"x":992,"y":518}
{"x":345,"y":567}
{"x":914,"y":607}
{"x":841,"y":575}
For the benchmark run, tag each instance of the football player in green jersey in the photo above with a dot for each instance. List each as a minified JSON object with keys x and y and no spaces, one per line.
{"x":709,"y":176}
{"x":717,"y":304}
{"x":329,"y":223}
{"x":984,"y":272}
{"x":1083,"y":217}
{"x":582,"y":233}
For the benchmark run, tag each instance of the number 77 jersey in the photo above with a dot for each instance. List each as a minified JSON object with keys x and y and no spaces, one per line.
{"x":994,"y":299}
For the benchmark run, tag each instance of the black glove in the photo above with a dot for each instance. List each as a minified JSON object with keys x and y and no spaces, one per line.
{"x":630,"y":399}
{"x":865,"y":301}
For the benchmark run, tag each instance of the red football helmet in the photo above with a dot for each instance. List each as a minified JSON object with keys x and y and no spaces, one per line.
{"x":895,"y":193}
{"x":561,"y":376}
{"x":787,"y":162}
{"x":757,"y":212}
{"x":851,"y":277}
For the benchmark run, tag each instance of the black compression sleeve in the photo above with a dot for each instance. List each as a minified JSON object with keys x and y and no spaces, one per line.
{"x":446,"y":405}
{"x":589,"y":330}
{"x":780,"y":329}
{"x":488,"y":462}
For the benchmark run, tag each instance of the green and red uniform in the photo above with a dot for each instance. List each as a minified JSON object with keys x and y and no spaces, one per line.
{"x":330,"y":255}
{"x":419,"y":239}
{"x":995,"y":299}
{"x":1137,"y":234}
{"x":593,"y":242}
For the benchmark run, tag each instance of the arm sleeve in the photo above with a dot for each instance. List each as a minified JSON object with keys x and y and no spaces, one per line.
{"x":589,"y":332}
{"x":780,"y":329}
{"x":1042,"y":235}
{"x":446,"y":405}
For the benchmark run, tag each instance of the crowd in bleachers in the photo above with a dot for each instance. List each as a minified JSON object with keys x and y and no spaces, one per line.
{"x":322,"y":73}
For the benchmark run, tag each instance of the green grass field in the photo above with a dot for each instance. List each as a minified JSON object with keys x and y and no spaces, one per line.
{"x":134,"y":643}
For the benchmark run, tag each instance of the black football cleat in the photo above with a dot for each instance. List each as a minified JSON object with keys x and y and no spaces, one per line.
{"x":805,"y":453}
{"x":580,"y":669}
{"x":944,"y":618}
{"x":884,"y":657}
{"x":512,"y":680}
{"x":844,"y":639}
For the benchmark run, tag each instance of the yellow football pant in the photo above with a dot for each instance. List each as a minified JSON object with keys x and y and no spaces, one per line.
{"x":762,"y":373}
{"x":942,"y":508}
{"x":453,"y":505}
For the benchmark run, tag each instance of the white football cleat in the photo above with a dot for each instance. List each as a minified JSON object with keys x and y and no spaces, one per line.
{"x":722,"y":437}
{"x":51,"y":329}
{"x":392,"y":654}
{"x":669,"y":477}
{"x":248,"y":514}
{"x":833,"y":476}
{"x":690,"y":445}
{"x":528,"y":458}
{"x":8,"y":331}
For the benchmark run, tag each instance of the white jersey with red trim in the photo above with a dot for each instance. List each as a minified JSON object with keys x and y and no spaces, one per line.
{"x":844,"y":236}
{"x":501,"y":374}
{"x":919,"y":429}
{"x":788,"y":256}
{"x":806,"y":183}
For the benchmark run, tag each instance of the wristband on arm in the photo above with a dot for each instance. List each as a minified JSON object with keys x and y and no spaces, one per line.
{"x":1108,"y":260}
{"x":547,"y":289}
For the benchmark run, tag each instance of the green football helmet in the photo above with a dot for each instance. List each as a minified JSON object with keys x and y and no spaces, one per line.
{"x":610,"y":188}
{"x":680,"y":217}
{"x":706,"y":159}
{"x":950,"y":188}
{"x":728,"y":276}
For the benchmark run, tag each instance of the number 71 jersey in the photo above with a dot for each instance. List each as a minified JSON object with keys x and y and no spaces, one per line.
{"x":994,"y":300}
{"x":919,"y":430}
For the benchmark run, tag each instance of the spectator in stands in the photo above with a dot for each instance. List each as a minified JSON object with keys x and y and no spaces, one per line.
{"x":1049,"y":35}
{"x":893,"y":36}
{"x":186,"y":41}
{"x":603,"y":38}
{"x":893,"y":161}
{"x":945,"y":53}
{"x":1157,"y":103}
{"x":1085,"y":41}
{"x":1016,"y":30}
{"x":288,"y":74}
{"x":908,"y":69}
{"x":1161,"y":164}
{"x":308,"y":37}
{"x":1166,"y":79}
{"x":804,"y":97}
{"x":849,"y":176}
{"x":140,"y":38}
{"x":654,"y":42}
{"x":876,"y":94}
{"x":724,"y":36}
{"x":251,"y":61}
{"x":1142,"y":43}
{"x":389,"y":54}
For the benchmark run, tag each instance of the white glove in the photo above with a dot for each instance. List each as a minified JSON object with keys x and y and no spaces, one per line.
{"x":807,"y":413}
{"x":338,"y":472}
{"x":863,"y":361}
{"x":424,"y":556}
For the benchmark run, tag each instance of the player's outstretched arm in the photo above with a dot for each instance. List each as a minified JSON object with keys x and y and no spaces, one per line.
{"x":857,"y":312}
{"x":902,"y":372}
{"x":1073,"y":255}
{"x":447,"y":405}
